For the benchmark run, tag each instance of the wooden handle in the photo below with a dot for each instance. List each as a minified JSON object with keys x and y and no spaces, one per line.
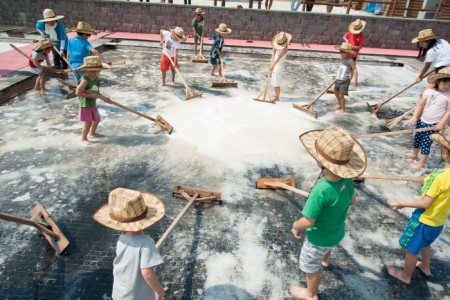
{"x":287,"y":187}
{"x":133,"y":111}
{"x":21,"y":52}
{"x":63,"y":58}
{"x":323,"y":92}
{"x":365,"y":136}
{"x":176,"y":69}
{"x":116,"y":63}
{"x":177,"y":219}
{"x":392,"y":177}
{"x":39,"y":225}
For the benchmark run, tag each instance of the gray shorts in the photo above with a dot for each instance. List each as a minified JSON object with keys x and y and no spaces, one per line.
{"x":37,"y":71}
{"x":341,"y":86}
{"x":311,"y":256}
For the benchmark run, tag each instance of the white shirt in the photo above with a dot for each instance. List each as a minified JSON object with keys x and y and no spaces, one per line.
{"x":439,"y":54}
{"x":279,"y":67}
{"x":435,"y":107}
{"x":169,"y":44}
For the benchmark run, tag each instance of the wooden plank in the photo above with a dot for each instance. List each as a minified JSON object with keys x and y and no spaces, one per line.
{"x":192,"y":191}
{"x":261,"y":183}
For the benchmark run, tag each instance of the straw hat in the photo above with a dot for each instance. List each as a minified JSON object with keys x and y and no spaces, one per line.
{"x":443,"y":73}
{"x":345,"y":47}
{"x":49,"y":15}
{"x":424,"y":35}
{"x":179,"y":34}
{"x":223,"y":29}
{"x":336,"y":150}
{"x":441,"y":140}
{"x":129,"y":210}
{"x":43,"y":44}
{"x":357,"y":26}
{"x":199,"y":11}
{"x":92,"y":63}
{"x":281,"y":40}
{"x":84,"y":28}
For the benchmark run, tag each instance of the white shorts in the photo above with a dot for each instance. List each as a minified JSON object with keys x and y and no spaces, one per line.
{"x":276,"y":79}
{"x":37,"y":71}
{"x":311,"y":256}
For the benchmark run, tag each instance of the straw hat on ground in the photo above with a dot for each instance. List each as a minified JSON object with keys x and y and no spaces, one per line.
{"x":223,"y":29}
{"x":441,"y":140}
{"x":345,"y":47}
{"x":280,"y":40}
{"x":92,"y":63}
{"x":336,"y":150}
{"x":198,"y":11}
{"x":49,"y":16}
{"x":179,"y":34}
{"x":443,"y":73}
{"x":424,"y":35}
{"x":43,"y":44}
{"x":357,"y":26}
{"x":83,"y":27}
{"x":129,"y":210}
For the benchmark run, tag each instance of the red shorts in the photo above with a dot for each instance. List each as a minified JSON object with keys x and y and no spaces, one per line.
{"x":165,"y":63}
{"x":88,"y":114}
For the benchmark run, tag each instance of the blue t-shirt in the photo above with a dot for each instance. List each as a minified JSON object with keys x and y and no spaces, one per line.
{"x":56,"y":34}
{"x":218,"y":43}
{"x":78,"y":49}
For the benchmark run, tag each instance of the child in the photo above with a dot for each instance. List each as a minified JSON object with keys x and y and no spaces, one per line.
{"x":347,"y":71}
{"x":433,"y":110}
{"x":428,"y":220}
{"x":197,"y":27}
{"x":280,"y":42}
{"x":39,"y":54}
{"x":87,"y":92}
{"x":341,"y":158}
{"x":79,"y":48}
{"x":131,"y":212}
{"x":216,"y":48}
{"x":170,"y":41}
{"x":355,"y":37}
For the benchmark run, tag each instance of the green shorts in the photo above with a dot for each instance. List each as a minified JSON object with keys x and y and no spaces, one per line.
{"x":196,"y":39}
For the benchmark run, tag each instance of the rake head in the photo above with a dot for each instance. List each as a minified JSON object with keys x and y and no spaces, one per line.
{"x":307,"y":108}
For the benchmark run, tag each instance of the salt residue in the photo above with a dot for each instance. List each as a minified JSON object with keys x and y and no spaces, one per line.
{"x":22,"y":198}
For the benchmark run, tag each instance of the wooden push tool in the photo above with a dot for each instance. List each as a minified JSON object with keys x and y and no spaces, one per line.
{"x":308,"y":108}
{"x":362,"y":177}
{"x":160,"y":121}
{"x":265,"y":95}
{"x":114,"y":63}
{"x":41,"y":220}
{"x":376,"y":107}
{"x":280,"y":183}
{"x":191,"y":195}
{"x":393,"y":122}
{"x":372,"y":135}
{"x":46,"y":70}
{"x":200,"y":58}
{"x":223,"y":82}
{"x":190,"y":93}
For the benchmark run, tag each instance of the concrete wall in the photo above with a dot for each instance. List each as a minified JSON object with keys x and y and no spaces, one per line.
{"x":314,"y":28}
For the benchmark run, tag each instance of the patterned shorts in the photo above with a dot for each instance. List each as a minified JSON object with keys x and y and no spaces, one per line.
{"x":418,"y":235}
{"x":341,"y":86}
{"x":422,"y":139}
{"x":311,"y":256}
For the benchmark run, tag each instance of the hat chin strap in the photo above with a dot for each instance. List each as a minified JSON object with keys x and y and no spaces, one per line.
{"x":129,"y":220}
{"x":328,"y":158}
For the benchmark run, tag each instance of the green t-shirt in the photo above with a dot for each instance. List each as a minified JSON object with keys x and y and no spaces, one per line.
{"x":328,"y":204}
{"x":198,"y":25}
{"x":92,"y":87}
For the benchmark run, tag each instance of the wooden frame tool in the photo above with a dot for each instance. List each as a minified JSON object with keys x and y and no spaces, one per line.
{"x":362,"y":177}
{"x":200,"y":58}
{"x":280,"y":183}
{"x":308,"y":108}
{"x":393,"y":122}
{"x":223,"y":82}
{"x":265,"y":94}
{"x":372,"y":135}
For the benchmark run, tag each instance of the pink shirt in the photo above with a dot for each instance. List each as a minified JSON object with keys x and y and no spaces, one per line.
{"x":435,"y":107}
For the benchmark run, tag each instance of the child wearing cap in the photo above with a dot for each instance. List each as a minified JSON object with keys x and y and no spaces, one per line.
{"x":39,"y":55}
{"x":346,"y":72}
{"x":433,"y":110}
{"x":170,"y":41}
{"x":355,"y":37}
{"x":341,"y":158}
{"x":428,"y":220}
{"x":88,"y":91}
{"x":280,"y":42}
{"x":197,"y":27}
{"x":216,"y":48}
{"x":134,"y":273}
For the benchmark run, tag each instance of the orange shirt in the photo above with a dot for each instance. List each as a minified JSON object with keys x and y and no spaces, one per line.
{"x":355,"y":40}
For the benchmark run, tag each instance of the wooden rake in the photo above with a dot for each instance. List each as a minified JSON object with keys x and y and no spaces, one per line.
{"x":280,"y":183}
{"x":160,"y":121}
{"x":190,"y":93}
{"x":376,"y":107}
{"x":372,"y":135}
{"x":308,"y":108}
{"x":41,"y":220}
{"x":393,"y":122}
{"x":223,"y":82}
{"x":191,"y":195}
{"x":200,"y":58}
{"x":265,"y":94}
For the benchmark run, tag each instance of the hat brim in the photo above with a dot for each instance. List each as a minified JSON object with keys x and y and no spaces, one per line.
{"x":156,"y":210}
{"x":55,"y":18}
{"x":223,"y":32}
{"x":437,"y":76}
{"x":277,"y":46}
{"x":441,"y":140}
{"x":39,"y":47}
{"x":344,"y":50}
{"x":199,"y":13}
{"x":85,"y":68}
{"x":75,"y":29}
{"x":179,"y":39}
{"x":355,"y":167}
{"x":428,"y":38}
{"x":350,"y":27}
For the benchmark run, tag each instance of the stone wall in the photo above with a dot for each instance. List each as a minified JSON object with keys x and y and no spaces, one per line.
{"x":314,"y":28}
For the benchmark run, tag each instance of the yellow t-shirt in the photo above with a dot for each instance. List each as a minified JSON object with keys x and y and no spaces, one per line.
{"x":437,"y":186}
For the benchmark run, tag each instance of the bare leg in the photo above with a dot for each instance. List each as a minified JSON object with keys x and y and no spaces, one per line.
{"x":163,"y":76}
{"x":424,"y":265}
{"x":220,"y":71}
{"x":173,"y":76}
{"x":421,"y":163}
{"x":329,"y":7}
{"x":310,"y":292}
{"x":325,"y":260}
{"x":270,"y":4}
{"x":92,"y":131}
{"x":42,"y":82}
{"x":195,"y":49}
{"x":405,"y":274}
{"x":37,"y":85}
{"x":277,"y":90}
{"x":342,"y":102}
{"x":336,"y":93}
{"x":415,"y":152}
{"x":213,"y":70}
{"x":84,"y":133}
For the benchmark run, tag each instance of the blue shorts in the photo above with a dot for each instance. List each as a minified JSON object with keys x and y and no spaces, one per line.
{"x":214,"y":58}
{"x":422,"y":139}
{"x":418,"y":235}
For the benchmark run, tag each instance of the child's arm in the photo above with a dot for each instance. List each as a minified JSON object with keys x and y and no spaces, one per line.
{"x":301,"y":224}
{"x":161,"y":38}
{"x":353,"y":200}
{"x":424,"y":70}
{"x":278,"y":59}
{"x":81,"y":91}
{"x":47,"y":60}
{"x":445,"y":119}
{"x":417,"y":112}
{"x":177,"y":65}
{"x":153,"y":282}
{"x":354,"y":73}
{"x":96,"y":53}
{"x":423,"y":202}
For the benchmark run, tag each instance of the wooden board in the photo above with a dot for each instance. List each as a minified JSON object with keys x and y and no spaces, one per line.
{"x":212,"y":195}
{"x":260,"y":184}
